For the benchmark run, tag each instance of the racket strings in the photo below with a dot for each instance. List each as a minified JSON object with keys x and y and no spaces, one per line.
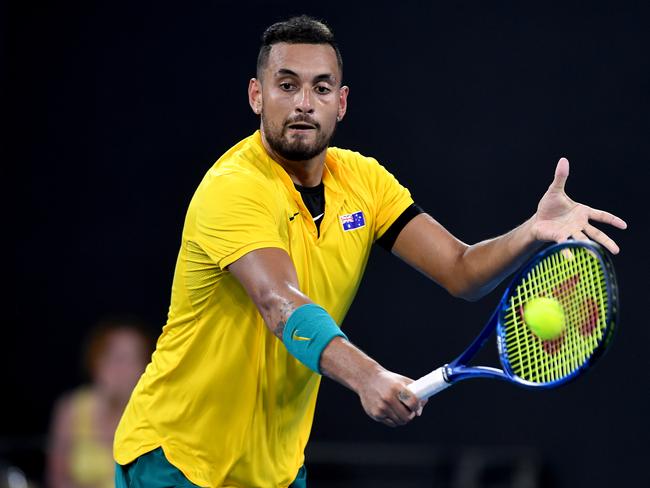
{"x":577,"y":281}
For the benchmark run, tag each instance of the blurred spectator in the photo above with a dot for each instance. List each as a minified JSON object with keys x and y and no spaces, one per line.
{"x":80,"y":453}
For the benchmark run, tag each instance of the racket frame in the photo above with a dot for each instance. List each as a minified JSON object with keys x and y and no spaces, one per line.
{"x":458,"y":370}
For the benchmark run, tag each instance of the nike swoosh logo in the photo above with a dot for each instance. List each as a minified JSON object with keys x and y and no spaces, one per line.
{"x":296,"y":337}
{"x":318,"y":217}
{"x":293,"y":216}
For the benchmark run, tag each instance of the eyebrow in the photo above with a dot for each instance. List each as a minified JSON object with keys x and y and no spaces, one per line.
{"x":324,"y":77}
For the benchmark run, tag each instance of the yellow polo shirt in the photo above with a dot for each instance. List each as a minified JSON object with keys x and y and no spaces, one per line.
{"x":222,"y":396}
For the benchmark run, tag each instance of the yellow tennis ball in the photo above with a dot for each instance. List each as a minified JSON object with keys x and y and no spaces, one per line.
{"x":545,"y":317}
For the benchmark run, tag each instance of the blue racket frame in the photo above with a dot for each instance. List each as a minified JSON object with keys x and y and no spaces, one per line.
{"x":458,"y":370}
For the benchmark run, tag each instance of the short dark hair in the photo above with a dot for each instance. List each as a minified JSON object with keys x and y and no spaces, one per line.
{"x":296,"y":30}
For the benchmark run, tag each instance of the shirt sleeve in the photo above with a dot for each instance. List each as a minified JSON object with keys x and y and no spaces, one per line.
{"x":235,"y":215}
{"x":391,"y":198}
{"x":387,"y":240}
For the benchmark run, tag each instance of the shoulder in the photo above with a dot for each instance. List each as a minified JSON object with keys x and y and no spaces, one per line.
{"x":232,"y":177}
{"x":354,"y":164}
{"x":352,"y":160}
{"x":235,"y":191}
{"x":226,"y":192}
{"x":242,"y":171}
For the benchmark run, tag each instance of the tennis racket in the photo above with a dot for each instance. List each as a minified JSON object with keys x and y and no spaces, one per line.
{"x":580,"y":276}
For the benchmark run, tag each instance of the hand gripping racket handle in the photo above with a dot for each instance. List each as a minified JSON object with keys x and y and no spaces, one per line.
{"x":430,"y":384}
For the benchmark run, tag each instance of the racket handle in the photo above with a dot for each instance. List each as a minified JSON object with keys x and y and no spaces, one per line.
{"x":430,"y":384}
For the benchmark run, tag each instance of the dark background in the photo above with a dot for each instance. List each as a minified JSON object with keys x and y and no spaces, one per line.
{"x":114,"y":111}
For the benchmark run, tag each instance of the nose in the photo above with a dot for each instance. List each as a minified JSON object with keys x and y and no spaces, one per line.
{"x":304,"y":102}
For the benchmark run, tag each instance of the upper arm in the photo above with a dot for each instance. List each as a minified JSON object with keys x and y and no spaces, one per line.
{"x":423,"y":242}
{"x":269,"y":277}
{"x":237,"y":220}
{"x":431,"y":249}
{"x":233,"y":214}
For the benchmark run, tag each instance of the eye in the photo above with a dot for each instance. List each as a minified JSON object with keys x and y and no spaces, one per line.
{"x":322,"y":90}
{"x":286,"y":86}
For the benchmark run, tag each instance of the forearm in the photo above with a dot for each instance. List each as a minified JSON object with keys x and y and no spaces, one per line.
{"x":465,"y":271}
{"x":383,"y":394}
{"x":340,"y":360}
{"x":482,"y":266}
{"x":346,"y":364}
{"x":312,"y":336}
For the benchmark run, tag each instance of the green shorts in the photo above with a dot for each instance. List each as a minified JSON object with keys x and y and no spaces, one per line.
{"x":152,"y":470}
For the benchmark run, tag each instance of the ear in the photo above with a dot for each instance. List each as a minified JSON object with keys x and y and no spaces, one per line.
{"x":255,"y":95}
{"x":343,"y":102}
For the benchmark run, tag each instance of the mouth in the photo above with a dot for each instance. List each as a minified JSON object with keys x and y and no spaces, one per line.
{"x":301,"y":126}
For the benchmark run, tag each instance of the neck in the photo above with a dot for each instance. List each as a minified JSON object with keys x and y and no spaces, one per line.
{"x":307,"y":173}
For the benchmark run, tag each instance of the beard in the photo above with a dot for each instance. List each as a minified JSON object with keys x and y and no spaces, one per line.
{"x":296,"y":148}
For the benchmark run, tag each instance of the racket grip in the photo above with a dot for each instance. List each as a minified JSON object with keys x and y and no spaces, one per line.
{"x":430,"y":384}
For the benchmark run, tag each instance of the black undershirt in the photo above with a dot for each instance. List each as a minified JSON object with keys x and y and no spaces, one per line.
{"x":314,"y":199}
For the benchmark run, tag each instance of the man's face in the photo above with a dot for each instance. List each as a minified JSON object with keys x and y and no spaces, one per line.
{"x":300,"y":99}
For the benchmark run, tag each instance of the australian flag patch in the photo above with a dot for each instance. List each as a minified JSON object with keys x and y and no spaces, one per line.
{"x":352,"y":221}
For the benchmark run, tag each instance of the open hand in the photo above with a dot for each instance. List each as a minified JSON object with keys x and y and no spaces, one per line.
{"x":559,"y":218}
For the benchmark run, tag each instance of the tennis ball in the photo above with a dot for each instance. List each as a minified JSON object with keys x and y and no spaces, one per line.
{"x":545,"y":317}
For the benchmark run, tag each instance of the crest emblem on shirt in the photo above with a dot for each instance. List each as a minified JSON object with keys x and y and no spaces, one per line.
{"x":352,"y":221}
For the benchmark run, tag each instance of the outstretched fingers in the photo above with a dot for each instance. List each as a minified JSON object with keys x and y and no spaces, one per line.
{"x":598,"y":235}
{"x":607,"y":218}
{"x":580,"y":228}
{"x":602,"y":238}
{"x":579,"y":236}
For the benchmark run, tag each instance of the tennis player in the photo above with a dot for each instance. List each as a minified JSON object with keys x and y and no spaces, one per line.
{"x":274,"y":246}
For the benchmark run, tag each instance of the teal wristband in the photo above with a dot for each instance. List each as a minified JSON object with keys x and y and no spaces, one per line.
{"x":308,"y":332}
